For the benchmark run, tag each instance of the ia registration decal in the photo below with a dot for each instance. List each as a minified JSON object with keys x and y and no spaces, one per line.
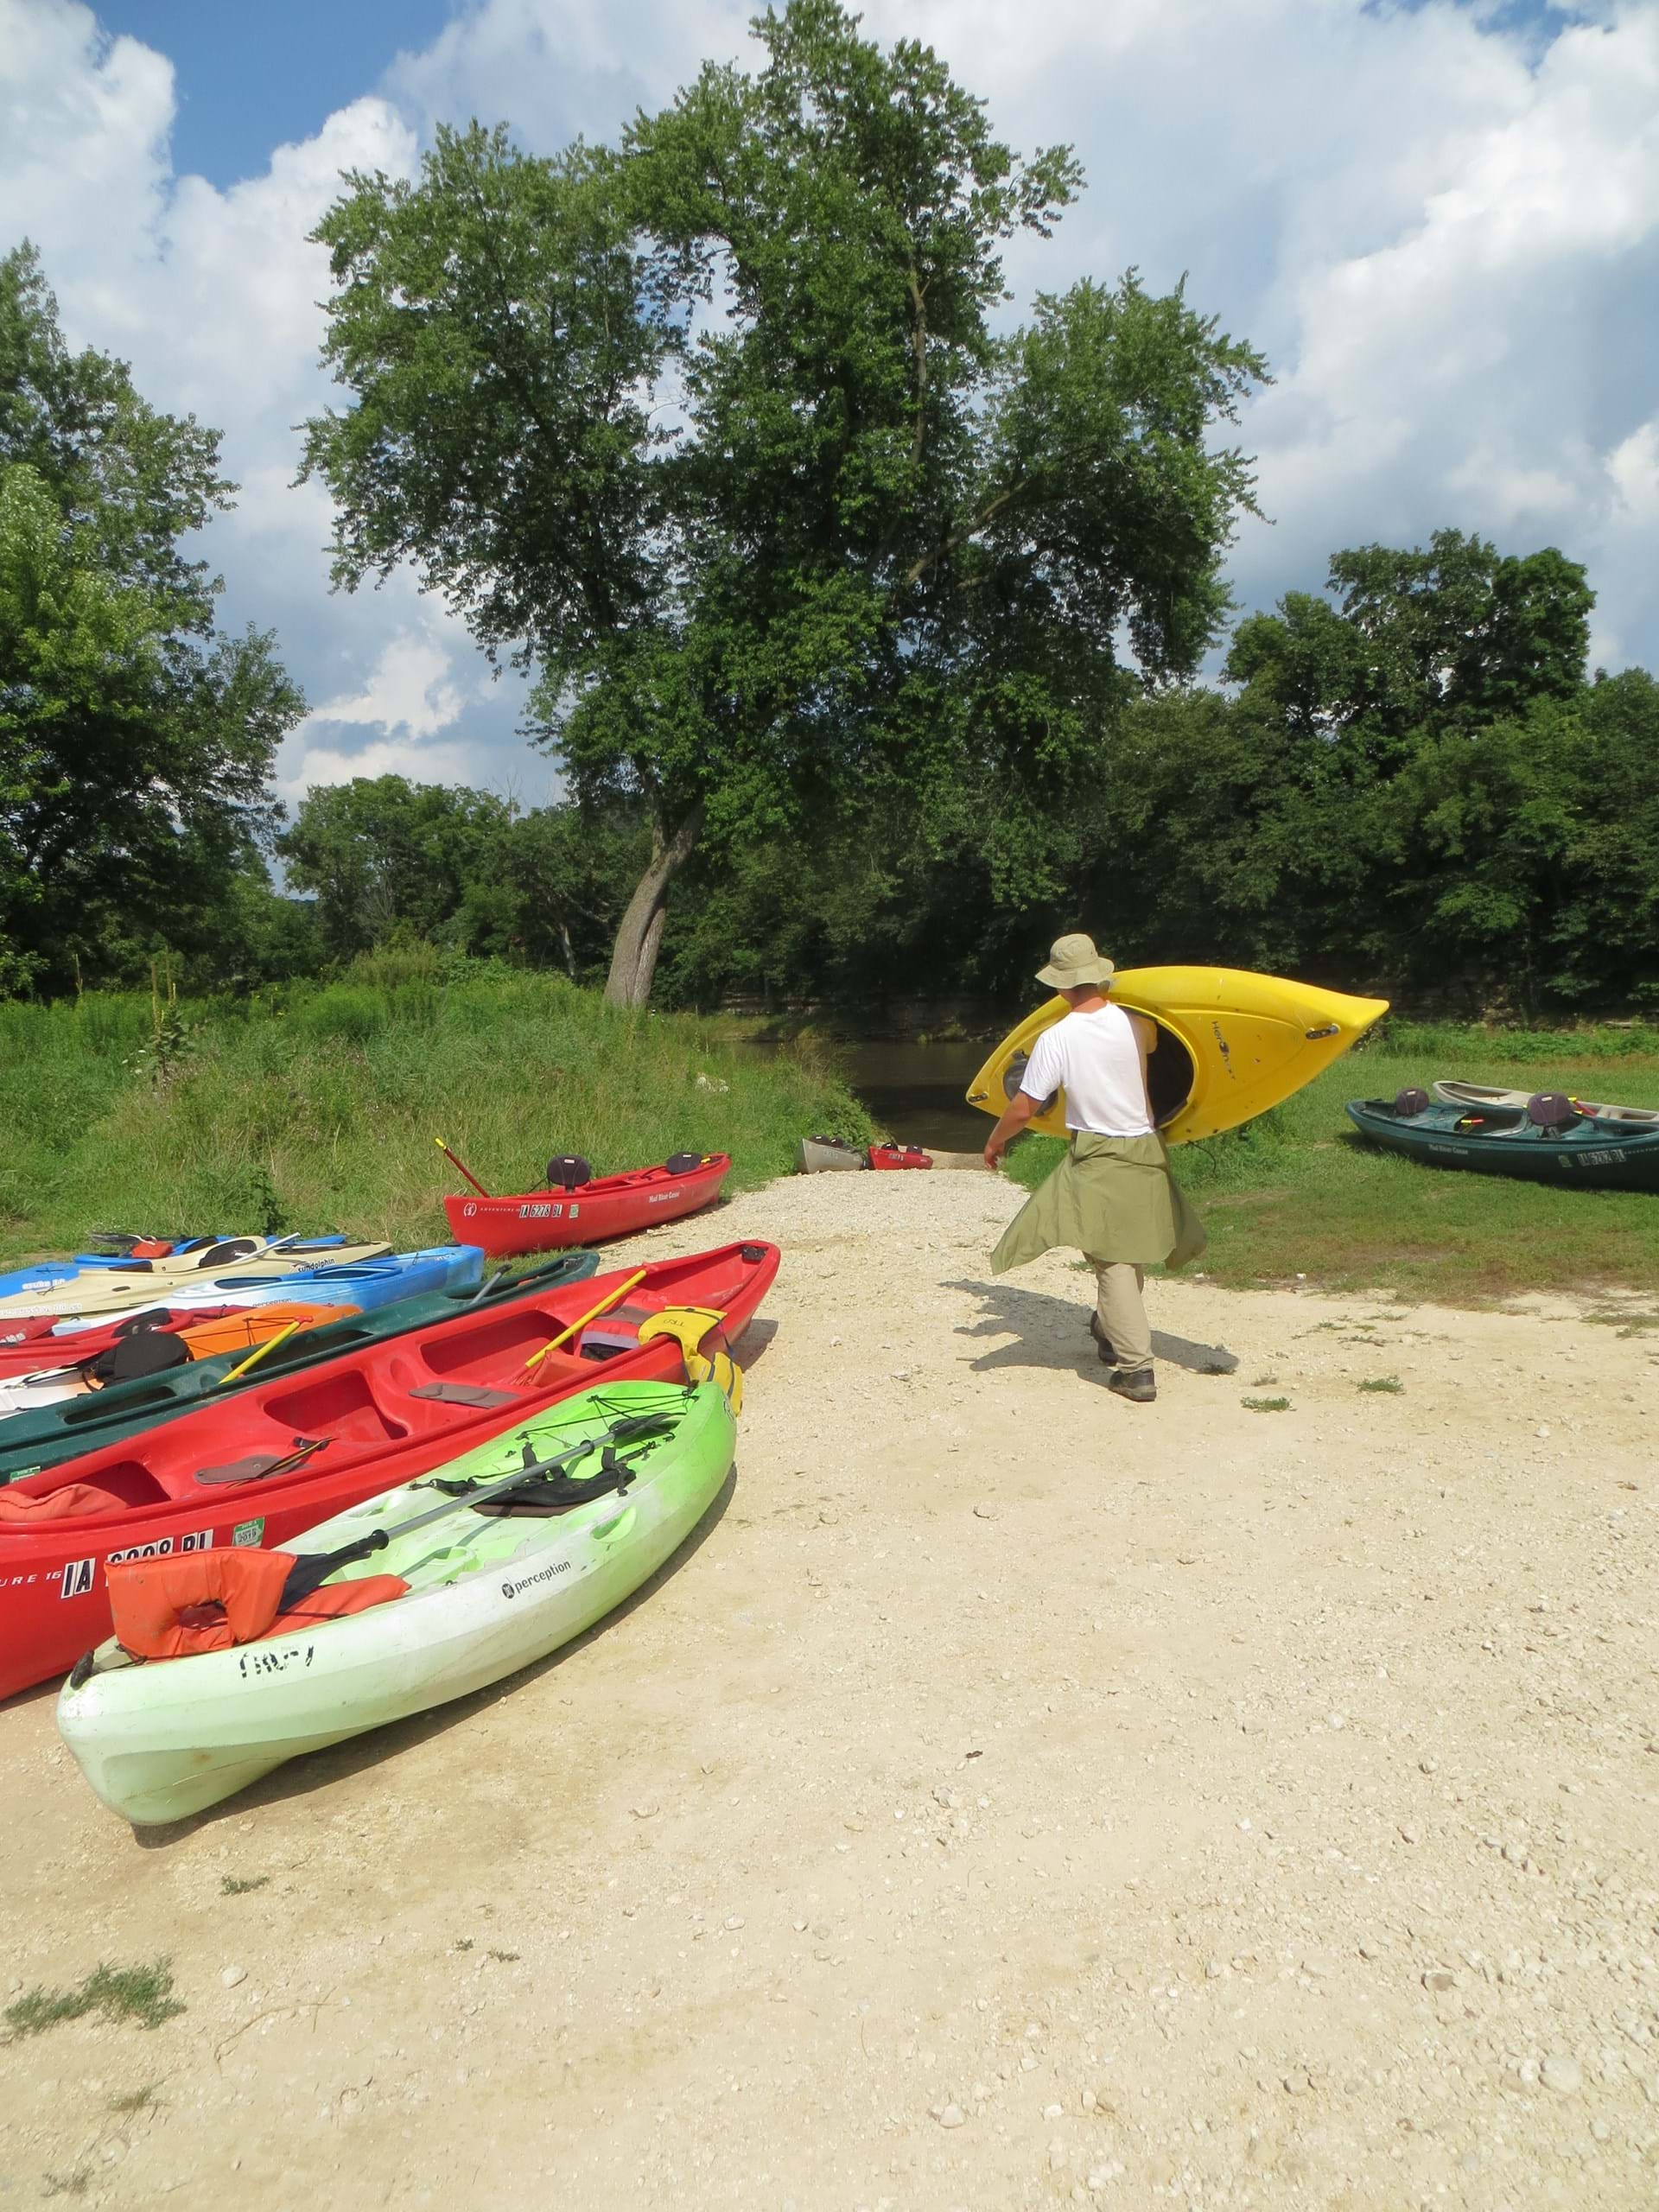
{"x":79,"y":1574}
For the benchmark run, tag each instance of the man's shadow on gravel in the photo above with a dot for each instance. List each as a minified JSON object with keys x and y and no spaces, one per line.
{"x":1052,"y":1332}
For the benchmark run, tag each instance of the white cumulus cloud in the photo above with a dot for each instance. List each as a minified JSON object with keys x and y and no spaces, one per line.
{"x":1440,"y":221}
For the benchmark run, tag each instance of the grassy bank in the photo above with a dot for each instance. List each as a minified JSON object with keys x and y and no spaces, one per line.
{"x":316,"y":1108}
{"x":1299,"y":1193}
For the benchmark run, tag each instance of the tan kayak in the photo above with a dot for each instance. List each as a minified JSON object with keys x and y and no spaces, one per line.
{"x":111,"y":1290}
{"x":1479,"y":1094}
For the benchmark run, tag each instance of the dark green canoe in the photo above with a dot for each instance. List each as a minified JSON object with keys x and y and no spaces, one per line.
{"x":50,"y":1434}
{"x":1588,"y":1153}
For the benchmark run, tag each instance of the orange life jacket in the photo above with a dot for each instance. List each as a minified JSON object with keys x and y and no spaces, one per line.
{"x":207,"y":1601}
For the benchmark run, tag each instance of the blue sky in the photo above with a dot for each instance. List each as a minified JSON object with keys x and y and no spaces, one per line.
{"x":254,"y":76}
{"x":1440,"y":221}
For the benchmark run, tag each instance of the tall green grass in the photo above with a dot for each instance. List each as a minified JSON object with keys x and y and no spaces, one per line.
{"x":1299,"y":1193}
{"x":316,"y":1108}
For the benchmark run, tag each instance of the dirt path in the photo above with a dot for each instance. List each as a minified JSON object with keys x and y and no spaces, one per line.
{"x":1017,"y":1798}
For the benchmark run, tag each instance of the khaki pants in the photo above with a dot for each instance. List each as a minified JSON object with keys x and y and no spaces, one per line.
{"x":1122,"y":1312}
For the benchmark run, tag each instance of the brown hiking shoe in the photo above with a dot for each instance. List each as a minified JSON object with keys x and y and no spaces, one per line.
{"x":1135,"y":1383}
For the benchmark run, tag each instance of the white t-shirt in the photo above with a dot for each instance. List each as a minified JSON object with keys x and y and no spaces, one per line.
{"x":1097,"y":1057}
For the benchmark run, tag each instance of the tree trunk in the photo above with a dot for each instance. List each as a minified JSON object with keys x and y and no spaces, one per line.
{"x":640,"y":934}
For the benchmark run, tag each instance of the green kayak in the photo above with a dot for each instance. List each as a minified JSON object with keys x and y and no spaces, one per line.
{"x":1546,"y":1140}
{"x":488,"y":1582}
{"x":49,"y":1435}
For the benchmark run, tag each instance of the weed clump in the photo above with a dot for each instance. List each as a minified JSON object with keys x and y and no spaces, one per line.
{"x":135,"y":2099}
{"x":142,"y":1994}
{"x":1266,"y":1405}
{"x":1391,"y":1383}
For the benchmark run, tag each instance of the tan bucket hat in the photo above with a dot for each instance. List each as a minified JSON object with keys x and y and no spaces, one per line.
{"x":1072,"y":961}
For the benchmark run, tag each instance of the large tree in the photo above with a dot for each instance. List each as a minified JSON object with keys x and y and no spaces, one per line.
{"x":135,"y":740}
{"x":1449,"y":634}
{"x":382,"y":854}
{"x":717,"y":430}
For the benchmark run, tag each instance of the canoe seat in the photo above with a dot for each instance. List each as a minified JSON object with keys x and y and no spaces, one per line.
{"x":464,"y":1393}
{"x":1551,"y":1110}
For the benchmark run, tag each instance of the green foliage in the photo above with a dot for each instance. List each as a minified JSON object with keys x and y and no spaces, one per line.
{"x":144,"y":1994}
{"x":382,"y":855}
{"x":136,"y":741}
{"x":1389,"y":1385}
{"x":238,"y":1885}
{"x":317,"y":1107}
{"x":393,"y":863}
{"x":1266,"y":1405}
{"x":713,"y":429}
{"x":1354,"y":815}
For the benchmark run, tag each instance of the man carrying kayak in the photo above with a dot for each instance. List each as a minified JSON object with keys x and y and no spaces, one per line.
{"x":1113,"y":1195}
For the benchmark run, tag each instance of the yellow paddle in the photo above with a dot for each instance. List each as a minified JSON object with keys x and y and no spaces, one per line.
{"x":259,"y":1351}
{"x":610,"y":1298}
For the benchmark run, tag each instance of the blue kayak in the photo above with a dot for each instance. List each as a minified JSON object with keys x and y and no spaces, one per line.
{"x":362,"y":1283}
{"x":46,"y":1274}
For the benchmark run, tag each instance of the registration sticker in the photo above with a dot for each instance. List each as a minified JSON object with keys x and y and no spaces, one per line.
{"x":248,"y":1532}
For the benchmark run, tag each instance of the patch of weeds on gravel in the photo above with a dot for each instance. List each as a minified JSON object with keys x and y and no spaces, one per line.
{"x":1628,"y":1325}
{"x":238,"y":1885}
{"x":1266,"y":1405}
{"x":135,"y":2100}
{"x":144,"y":1994}
{"x":74,"y":2184}
{"x":1261,"y":1382}
{"x":1391,"y":1383}
{"x":506,"y":1958}
{"x":463,"y":1944}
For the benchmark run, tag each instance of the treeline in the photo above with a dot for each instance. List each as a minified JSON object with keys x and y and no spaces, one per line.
{"x":1411,"y":785}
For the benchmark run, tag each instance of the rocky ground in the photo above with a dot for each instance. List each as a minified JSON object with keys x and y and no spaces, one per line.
{"x":1017,"y":1798}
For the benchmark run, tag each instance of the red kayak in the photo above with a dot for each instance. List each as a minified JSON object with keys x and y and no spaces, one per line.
{"x":900,"y":1156}
{"x":278,"y":1458}
{"x":586,"y":1212}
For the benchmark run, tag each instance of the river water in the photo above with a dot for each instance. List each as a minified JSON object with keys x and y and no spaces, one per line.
{"x":914,"y":1092}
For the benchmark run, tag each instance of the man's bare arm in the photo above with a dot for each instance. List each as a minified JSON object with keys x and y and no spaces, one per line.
{"x":1021,"y":1110}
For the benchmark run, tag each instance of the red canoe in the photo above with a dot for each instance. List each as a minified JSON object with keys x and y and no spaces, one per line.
{"x":611,"y":1206}
{"x":277,"y":1458}
{"x":900,"y":1156}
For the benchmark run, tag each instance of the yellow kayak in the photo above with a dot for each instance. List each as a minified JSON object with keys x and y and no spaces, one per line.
{"x":1229,"y":1045}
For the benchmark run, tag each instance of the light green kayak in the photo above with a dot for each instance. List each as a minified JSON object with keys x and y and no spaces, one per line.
{"x":490,"y":1591}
